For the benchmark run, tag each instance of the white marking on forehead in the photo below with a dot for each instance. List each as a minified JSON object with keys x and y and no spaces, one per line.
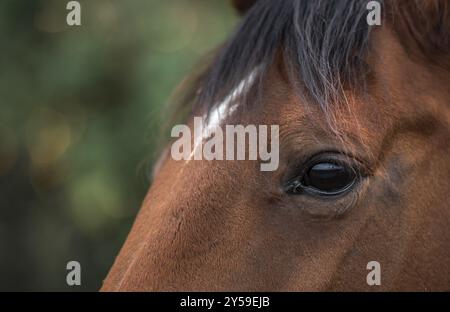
{"x":223,"y":110}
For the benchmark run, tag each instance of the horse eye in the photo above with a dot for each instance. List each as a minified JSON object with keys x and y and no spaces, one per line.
{"x":325,"y":178}
{"x":329,"y":178}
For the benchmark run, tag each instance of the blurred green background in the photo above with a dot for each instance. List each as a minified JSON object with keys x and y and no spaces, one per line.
{"x":80,"y":112}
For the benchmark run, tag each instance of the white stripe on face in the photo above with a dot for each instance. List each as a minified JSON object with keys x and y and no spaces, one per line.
{"x":222,"y":111}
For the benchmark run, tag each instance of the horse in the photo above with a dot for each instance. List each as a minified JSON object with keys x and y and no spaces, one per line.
{"x":363,"y":175}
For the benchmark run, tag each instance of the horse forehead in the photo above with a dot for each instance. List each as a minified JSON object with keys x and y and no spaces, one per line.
{"x":225,"y":108}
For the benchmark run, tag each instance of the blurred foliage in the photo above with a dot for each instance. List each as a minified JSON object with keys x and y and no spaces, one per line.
{"x":80,"y":111}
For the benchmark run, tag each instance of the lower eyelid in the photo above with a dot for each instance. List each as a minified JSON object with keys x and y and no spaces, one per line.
{"x":339,"y":193}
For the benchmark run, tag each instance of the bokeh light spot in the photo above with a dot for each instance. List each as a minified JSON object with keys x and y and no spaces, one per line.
{"x":48,"y":138}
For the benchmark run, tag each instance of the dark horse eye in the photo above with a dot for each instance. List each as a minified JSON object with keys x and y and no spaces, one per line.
{"x":327,"y":177}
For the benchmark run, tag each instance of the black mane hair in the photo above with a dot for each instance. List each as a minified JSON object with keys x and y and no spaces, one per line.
{"x":323,"y":44}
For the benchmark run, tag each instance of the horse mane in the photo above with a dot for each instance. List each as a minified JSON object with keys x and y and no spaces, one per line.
{"x":324,"y":45}
{"x":322,"y":42}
